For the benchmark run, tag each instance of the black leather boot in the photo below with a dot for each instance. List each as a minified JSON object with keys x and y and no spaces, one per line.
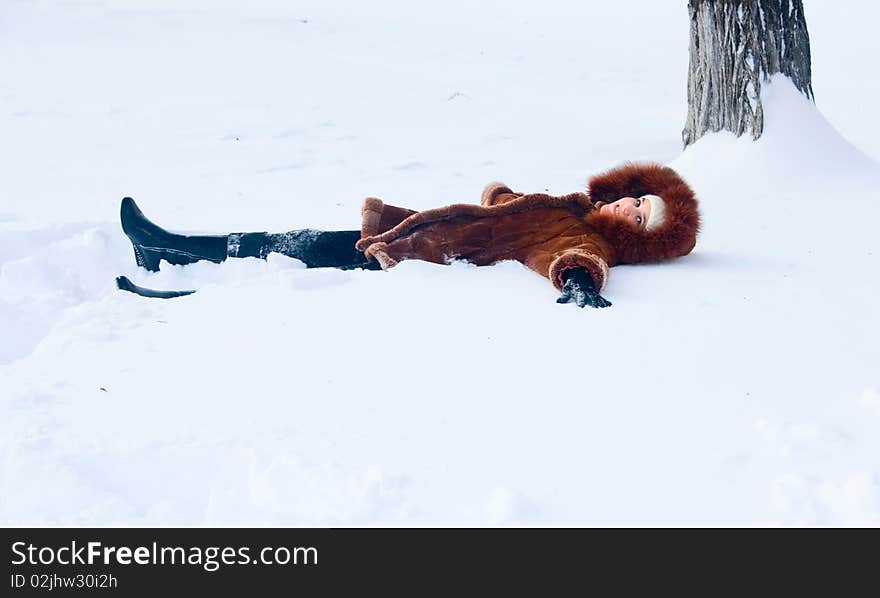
{"x":316,"y":248}
{"x":153,"y":243}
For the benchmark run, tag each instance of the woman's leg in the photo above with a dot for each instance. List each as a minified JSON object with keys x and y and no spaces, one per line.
{"x":318,"y":249}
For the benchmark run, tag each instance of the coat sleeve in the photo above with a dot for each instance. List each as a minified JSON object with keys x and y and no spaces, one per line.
{"x":587,"y":252}
{"x":378,"y":217}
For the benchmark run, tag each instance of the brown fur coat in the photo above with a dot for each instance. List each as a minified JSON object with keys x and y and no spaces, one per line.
{"x":548,"y":234}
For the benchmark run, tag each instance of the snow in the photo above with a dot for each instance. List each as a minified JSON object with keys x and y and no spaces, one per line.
{"x":735,"y":386}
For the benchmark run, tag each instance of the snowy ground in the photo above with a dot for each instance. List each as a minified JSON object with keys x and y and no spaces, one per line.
{"x":736,"y":386}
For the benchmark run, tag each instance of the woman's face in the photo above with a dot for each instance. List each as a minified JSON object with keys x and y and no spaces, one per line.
{"x":632,"y":209}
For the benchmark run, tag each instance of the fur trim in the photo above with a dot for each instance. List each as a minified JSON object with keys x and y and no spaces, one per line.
{"x":595,"y":265}
{"x":371,"y":214}
{"x":578,"y":203}
{"x":657,"y":214}
{"x":674,"y":238}
{"x":493,"y":190}
{"x":377,"y":251}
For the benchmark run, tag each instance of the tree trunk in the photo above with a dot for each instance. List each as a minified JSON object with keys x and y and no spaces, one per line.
{"x":734,"y":45}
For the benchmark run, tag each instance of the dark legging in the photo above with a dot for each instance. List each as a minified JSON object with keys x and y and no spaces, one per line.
{"x":316,"y":248}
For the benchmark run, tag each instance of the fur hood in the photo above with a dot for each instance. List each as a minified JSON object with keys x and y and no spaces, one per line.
{"x":674,"y":238}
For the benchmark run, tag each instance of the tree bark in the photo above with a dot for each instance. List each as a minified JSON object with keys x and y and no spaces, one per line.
{"x":734,"y":45}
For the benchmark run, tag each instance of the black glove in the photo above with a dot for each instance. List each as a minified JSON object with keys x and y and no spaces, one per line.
{"x":579,"y":285}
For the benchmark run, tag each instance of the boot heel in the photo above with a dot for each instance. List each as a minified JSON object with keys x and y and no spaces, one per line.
{"x":145,"y":258}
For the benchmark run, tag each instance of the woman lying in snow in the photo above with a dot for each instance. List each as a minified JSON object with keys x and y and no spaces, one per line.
{"x":631,"y":214}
